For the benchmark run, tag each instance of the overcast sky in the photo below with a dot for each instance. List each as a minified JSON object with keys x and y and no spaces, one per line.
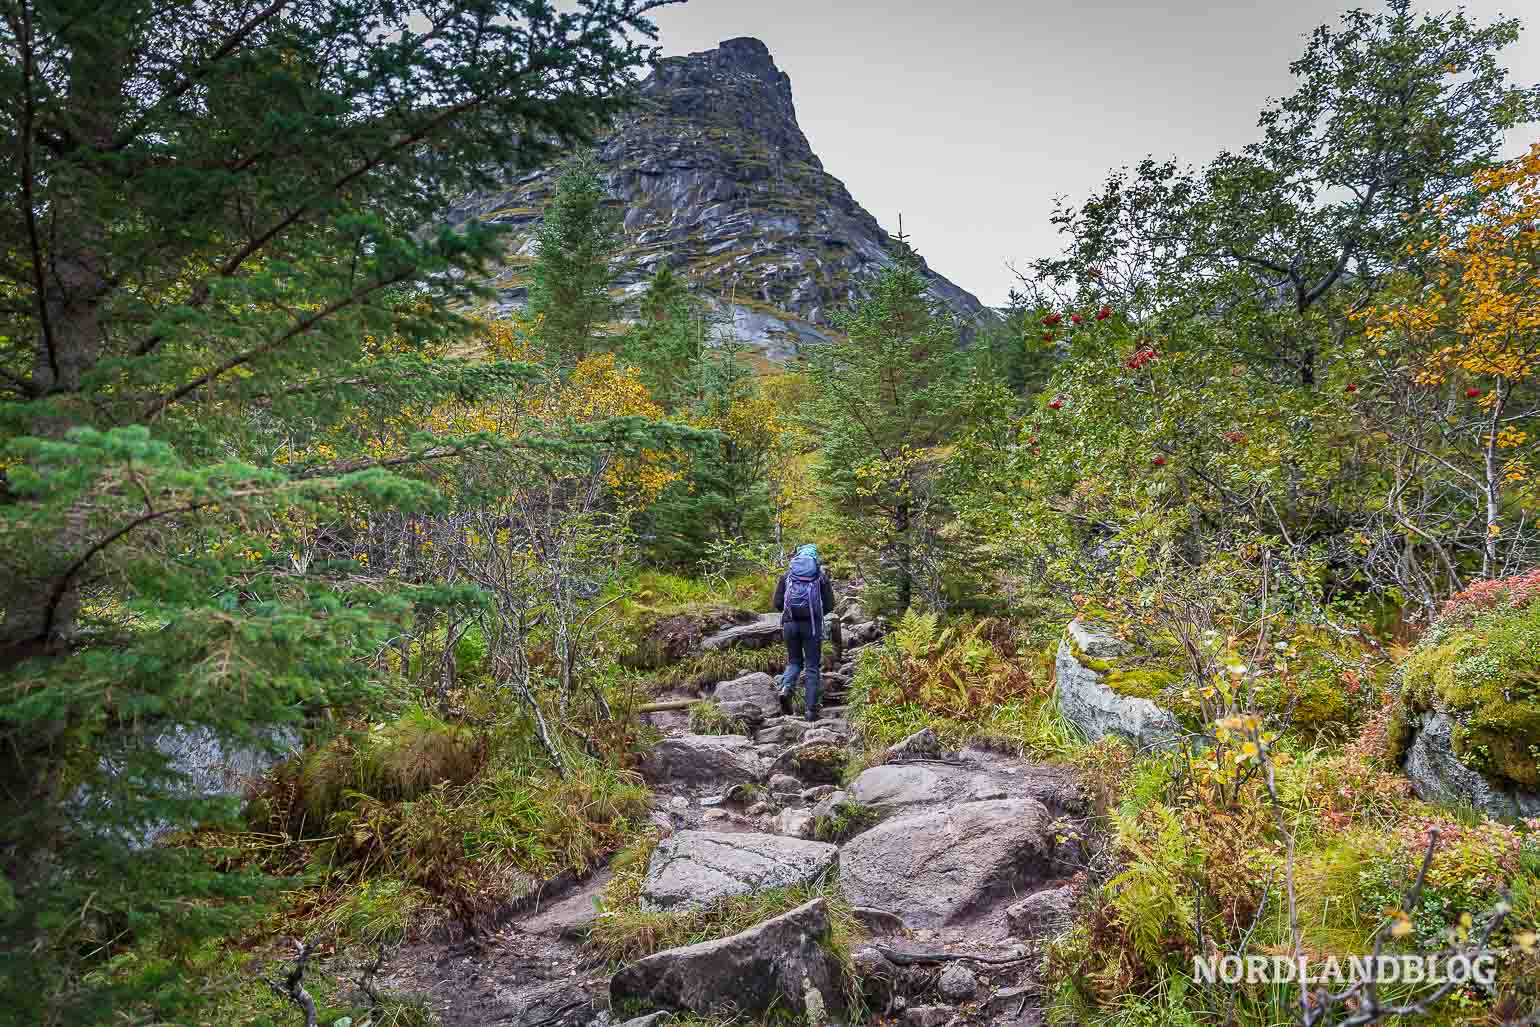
{"x":971,"y":117}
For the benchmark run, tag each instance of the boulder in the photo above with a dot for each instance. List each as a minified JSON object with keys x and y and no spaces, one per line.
{"x":892,"y":786}
{"x":785,"y":784}
{"x":783,"y":964}
{"x":863,"y":633}
{"x":1437,"y":775}
{"x":1095,"y":709}
{"x":1044,"y":914}
{"x":957,"y":983}
{"x":757,"y":634}
{"x":694,"y":868}
{"x":719,"y":760}
{"x":935,"y":867}
{"x":922,"y":743}
{"x":782,"y":731}
{"x":757,"y":690}
{"x":206,"y":767}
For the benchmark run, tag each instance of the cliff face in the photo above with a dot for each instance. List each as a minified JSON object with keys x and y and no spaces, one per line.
{"x":713,"y":174}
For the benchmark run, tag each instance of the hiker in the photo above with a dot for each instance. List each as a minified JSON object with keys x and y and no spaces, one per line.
{"x":803,"y":596}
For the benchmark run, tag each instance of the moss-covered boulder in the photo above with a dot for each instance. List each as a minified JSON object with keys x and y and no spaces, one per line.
{"x":1107,"y":688}
{"x":1313,"y":682}
{"x":1470,"y":696}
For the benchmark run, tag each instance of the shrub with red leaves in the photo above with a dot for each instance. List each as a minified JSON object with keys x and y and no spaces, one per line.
{"x":1053,"y":319}
{"x":1516,"y":591}
{"x":1235,"y":437}
{"x":1058,"y":401}
{"x":1352,"y":387}
{"x":1159,"y":461}
{"x":1075,"y":319}
{"x":1103,"y":313}
{"x":1472,"y":393}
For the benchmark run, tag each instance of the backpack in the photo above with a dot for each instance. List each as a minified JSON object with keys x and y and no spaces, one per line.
{"x":804,"y":597}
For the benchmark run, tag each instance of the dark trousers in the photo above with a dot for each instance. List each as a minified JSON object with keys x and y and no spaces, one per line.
{"x":804,"y":651}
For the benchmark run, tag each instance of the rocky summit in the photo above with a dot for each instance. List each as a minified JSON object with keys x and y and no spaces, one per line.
{"x":714,"y":175}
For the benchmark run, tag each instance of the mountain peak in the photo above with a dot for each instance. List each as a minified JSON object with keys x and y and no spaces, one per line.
{"x":742,"y":67}
{"x":714,"y":177}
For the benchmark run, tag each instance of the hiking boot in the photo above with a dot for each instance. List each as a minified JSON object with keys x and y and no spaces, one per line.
{"x":785,"y":699}
{"x":812,"y":715}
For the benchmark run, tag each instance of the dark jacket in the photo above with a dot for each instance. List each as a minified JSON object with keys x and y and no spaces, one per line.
{"x":825,"y":592}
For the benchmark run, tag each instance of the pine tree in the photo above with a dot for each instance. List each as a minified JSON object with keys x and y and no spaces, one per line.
{"x":887,"y":393}
{"x":574,"y":267}
{"x":221,"y":291}
{"x":669,"y":338}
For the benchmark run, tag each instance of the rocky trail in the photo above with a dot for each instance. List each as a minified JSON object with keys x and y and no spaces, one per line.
{"x":957,"y":866}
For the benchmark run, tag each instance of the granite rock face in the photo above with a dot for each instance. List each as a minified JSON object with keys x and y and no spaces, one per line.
{"x":713,"y":174}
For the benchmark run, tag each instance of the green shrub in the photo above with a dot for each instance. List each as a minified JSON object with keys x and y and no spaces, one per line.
{"x":845,"y":821}
{"x":707,"y":718}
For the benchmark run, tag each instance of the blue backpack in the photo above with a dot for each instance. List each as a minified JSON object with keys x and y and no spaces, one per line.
{"x":804,"y":598}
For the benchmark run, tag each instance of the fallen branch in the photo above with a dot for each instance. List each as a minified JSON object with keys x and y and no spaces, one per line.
{"x":293,"y":986}
{"x":667,"y":704}
{"x":900,"y":958}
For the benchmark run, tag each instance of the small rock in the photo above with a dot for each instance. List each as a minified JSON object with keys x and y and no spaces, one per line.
{"x":714,"y":814}
{"x":768,"y":750}
{"x":650,"y":1020}
{"x":927,"y":1016}
{"x":785,"y":783}
{"x":679,"y":802}
{"x":984,"y":791}
{"x":957,"y":983}
{"x":876,"y":974}
{"x":817,"y":792}
{"x":719,"y":760}
{"x":1007,"y":1004}
{"x":921,"y":743}
{"x":1045,"y":913}
{"x":796,"y":823}
{"x":760,"y":808}
{"x":813,"y":1004}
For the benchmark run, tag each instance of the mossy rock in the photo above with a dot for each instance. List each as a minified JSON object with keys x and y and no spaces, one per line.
{"x":1483,"y":670}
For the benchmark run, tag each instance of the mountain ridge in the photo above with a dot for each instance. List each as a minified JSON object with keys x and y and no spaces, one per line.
{"x":713,"y":174}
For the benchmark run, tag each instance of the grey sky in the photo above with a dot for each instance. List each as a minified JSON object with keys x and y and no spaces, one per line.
{"x":970,"y":118}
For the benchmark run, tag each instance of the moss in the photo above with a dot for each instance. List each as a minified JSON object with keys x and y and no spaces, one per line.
{"x":1150,"y":671}
{"x":1486,"y":675}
